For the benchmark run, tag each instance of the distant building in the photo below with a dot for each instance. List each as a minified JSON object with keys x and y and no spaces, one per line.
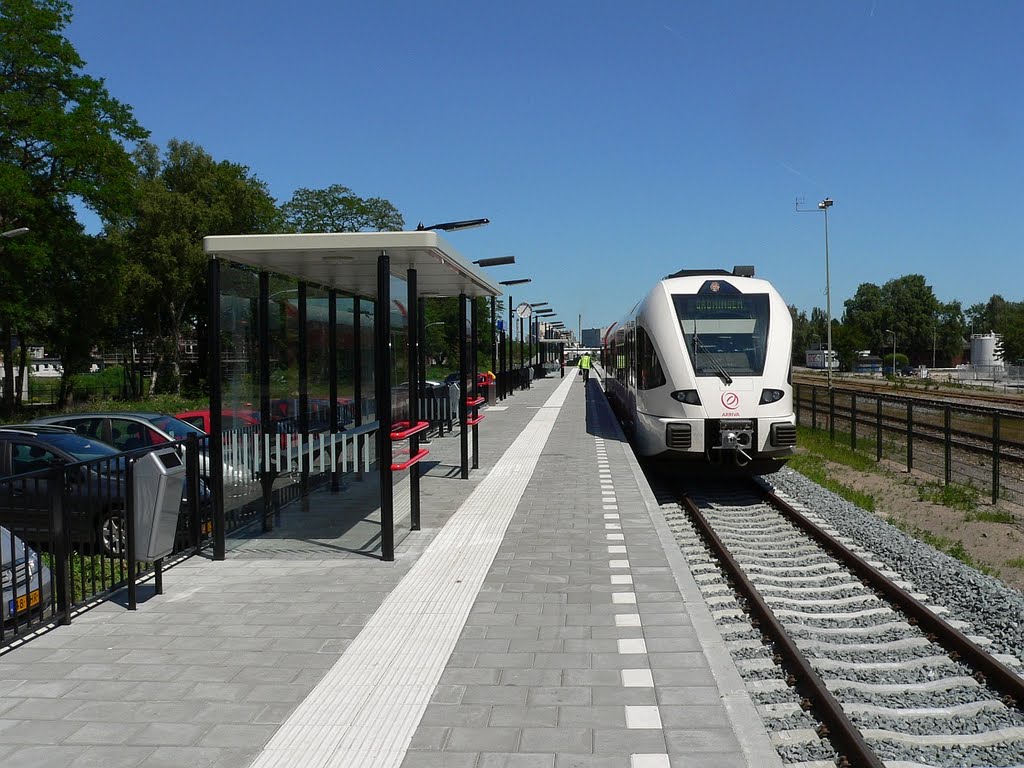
{"x":867,"y":364}
{"x":591,"y":338}
{"x":816,"y":359}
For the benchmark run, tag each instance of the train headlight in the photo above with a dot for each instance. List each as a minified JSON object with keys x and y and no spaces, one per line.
{"x":771,"y":396}
{"x":688,"y":396}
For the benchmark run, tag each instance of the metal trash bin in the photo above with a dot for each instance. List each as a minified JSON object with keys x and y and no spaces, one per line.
{"x":434,"y":401}
{"x":158,"y":480}
{"x":491,"y":393}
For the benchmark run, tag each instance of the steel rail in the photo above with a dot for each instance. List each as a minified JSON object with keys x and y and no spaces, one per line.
{"x":838,"y":728}
{"x":990,"y":670}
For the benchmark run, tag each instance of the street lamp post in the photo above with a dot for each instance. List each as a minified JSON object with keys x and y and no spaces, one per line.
{"x":510,"y":335}
{"x":496,"y":261}
{"x":893,"y":351}
{"x":14,"y":232}
{"x":823,"y":206}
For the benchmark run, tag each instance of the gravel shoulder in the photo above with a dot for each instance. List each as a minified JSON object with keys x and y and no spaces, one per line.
{"x":999,"y":547}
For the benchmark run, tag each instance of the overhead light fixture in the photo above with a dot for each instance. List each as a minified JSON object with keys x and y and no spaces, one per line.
{"x":451,"y":226}
{"x":517,"y":282}
{"x":497,"y":261}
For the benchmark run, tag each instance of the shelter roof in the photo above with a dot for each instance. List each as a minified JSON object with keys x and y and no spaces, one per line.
{"x":347,"y":261}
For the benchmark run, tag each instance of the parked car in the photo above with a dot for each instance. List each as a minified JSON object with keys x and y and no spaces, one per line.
{"x":230,"y":419}
{"x":129,"y":431}
{"x":95,"y":493}
{"x":25,"y":582}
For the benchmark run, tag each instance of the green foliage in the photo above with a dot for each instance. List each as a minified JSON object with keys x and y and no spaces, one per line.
{"x":62,"y":137}
{"x":817,"y":442}
{"x":1017,"y":562}
{"x":990,"y":516}
{"x":338,"y":209}
{"x":181,"y":198}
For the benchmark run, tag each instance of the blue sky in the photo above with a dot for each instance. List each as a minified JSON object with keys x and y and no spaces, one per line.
{"x":611,"y":143}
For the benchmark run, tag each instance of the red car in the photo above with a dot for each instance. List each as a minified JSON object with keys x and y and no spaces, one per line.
{"x":230,"y":420}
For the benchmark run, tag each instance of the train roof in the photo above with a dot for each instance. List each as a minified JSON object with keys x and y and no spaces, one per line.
{"x":738,"y":271}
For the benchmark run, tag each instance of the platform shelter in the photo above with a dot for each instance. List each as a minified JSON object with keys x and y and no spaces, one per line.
{"x":316,"y":376}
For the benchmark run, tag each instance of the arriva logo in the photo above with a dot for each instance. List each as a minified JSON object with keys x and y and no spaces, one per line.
{"x":730,"y":400}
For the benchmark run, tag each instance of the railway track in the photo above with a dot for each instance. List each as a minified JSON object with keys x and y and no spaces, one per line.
{"x":1013,"y":401}
{"x":880,"y":677}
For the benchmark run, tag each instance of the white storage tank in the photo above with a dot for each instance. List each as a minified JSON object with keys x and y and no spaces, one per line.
{"x":983,"y":349}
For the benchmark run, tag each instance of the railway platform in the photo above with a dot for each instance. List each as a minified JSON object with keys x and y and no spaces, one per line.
{"x":543,"y":618}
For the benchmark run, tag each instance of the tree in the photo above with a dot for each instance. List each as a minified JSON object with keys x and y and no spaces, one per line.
{"x":62,"y":138}
{"x":866,"y":314}
{"x":906,"y":305}
{"x":180,"y":199}
{"x":86,"y":296}
{"x":338,"y":209}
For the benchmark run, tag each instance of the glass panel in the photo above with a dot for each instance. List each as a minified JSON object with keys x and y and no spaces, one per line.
{"x":239,"y":329}
{"x":366,"y":320}
{"x":346,"y":362}
{"x":317,"y":373}
{"x":283,"y":315}
{"x":725,"y":335}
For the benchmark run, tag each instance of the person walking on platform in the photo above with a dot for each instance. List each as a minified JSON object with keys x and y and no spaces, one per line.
{"x":584,"y":365}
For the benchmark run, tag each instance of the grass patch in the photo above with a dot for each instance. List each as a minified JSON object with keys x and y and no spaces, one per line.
{"x":955,"y":496}
{"x":1017,"y":562}
{"x":990,"y":516}
{"x":838,"y":451}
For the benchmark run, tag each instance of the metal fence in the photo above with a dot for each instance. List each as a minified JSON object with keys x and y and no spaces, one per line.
{"x":979,"y":447}
{"x":66,"y":536}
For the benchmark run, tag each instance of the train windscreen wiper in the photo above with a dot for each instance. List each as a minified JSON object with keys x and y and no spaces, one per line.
{"x":722,"y":373}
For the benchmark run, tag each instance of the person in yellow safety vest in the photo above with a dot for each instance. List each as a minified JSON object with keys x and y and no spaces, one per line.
{"x":584,"y":365}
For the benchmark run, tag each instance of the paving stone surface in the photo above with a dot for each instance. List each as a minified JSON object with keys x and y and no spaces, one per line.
{"x":560,"y":660}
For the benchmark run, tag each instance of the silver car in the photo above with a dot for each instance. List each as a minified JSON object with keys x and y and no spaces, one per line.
{"x":25,"y":580}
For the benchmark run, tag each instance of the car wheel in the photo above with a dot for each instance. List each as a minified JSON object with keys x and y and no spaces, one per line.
{"x":111,"y":533}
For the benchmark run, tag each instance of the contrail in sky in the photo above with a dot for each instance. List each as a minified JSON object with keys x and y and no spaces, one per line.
{"x":795,"y":172}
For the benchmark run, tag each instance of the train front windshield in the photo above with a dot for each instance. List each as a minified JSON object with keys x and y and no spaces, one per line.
{"x":726,"y":335}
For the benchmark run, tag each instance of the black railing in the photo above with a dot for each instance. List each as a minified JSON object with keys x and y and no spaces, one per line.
{"x":969,"y":445}
{"x":65,"y":530}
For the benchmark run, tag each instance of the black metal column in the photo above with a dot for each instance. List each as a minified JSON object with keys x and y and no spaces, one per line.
{"x":382,"y":390}
{"x":475,"y":387}
{"x":332,"y":379}
{"x":510,"y":342}
{"x":494,"y":335}
{"x":415,"y":382}
{"x":357,"y":379}
{"x":216,"y":406}
{"x":266,"y":420}
{"x":463,"y":389}
{"x":304,"y":435}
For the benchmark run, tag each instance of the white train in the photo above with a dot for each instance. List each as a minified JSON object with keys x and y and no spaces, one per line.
{"x":700,"y":370}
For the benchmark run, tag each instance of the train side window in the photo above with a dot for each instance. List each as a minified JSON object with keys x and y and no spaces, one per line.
{"x":650,"y":372}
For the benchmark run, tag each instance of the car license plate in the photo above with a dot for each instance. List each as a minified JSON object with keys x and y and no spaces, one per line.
{"x":24,"y":602}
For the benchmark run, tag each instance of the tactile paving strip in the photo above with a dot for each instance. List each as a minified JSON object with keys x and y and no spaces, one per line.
{"x":365,"y":710}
